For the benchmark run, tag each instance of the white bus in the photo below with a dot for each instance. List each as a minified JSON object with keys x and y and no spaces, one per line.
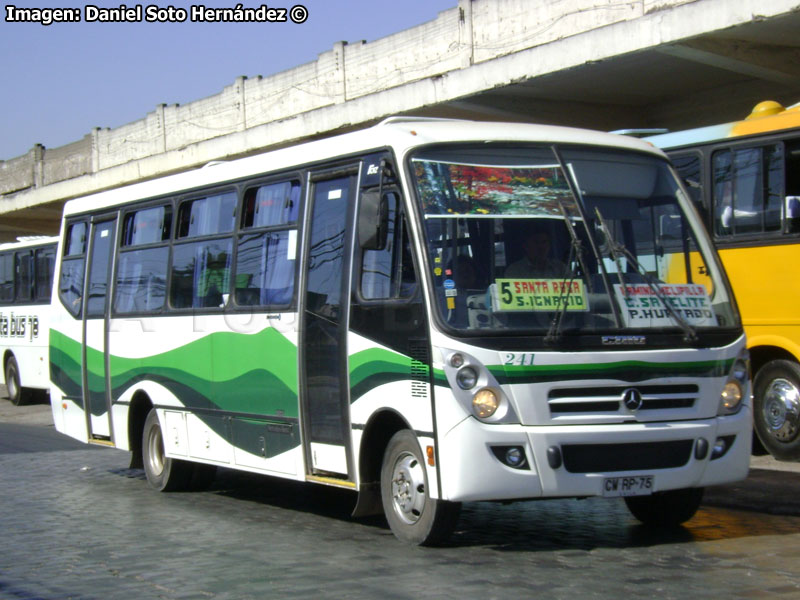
{"x":26,"y":281}
{"x":378,"y":311}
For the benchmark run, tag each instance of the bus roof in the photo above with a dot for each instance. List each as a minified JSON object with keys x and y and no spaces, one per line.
{"x":765,"y":117}
{"x":401,"y":133}
{"x":29,"y":241}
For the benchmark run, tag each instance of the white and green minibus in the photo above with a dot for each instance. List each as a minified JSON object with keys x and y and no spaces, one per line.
{"x":26,"y":285}
{"x":426,"y":312}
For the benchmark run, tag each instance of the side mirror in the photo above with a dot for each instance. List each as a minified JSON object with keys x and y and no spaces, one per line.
{"x":373,"y":221}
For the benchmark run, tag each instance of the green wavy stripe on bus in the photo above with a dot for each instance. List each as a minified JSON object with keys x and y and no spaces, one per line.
{"x":256,"y":392}
{"x":375,"y":367}
{"x":65,"y":371}
{"x":629,"y":370}
{"x":255,"y":373}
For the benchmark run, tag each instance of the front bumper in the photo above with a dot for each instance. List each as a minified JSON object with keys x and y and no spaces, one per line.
{"x":470,"y":470}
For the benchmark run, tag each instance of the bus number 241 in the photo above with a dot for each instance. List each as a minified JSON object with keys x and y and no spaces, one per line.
{"x":523,"y":359}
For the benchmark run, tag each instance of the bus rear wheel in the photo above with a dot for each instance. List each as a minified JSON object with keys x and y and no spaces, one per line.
{"x":666,"y":509}
{"x":776,"y":408}
{"x":163,"y":473}
{"x":16,"y":394}
{"x":413,"y":515}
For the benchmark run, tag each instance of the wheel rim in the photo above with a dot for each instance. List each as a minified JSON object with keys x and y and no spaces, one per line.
{"x":782,"y":409}
{"x":11,"y":382}
{"x":155,"y":451}
{"x":408,"y":488}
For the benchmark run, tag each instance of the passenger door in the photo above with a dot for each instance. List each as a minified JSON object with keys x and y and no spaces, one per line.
{"x":95,"y":372}
{"x":324,"y":309}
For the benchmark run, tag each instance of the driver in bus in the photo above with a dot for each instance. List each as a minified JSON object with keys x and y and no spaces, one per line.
{"x":537,"y":261}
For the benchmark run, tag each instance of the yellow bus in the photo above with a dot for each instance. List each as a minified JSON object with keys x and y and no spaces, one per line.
{"x":745,"y":180}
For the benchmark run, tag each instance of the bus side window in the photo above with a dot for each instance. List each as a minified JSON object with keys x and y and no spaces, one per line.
{"x":201,"y":274}
{"x":142,"y":274}
{"x":265,"y":259}
{"x":201,"y":270}
{"x":265,"y":269}
{"x":24,"y":271}
{"x":748,"y":190}
{"x":45,"y":262}
{"x":70,"y":280}
{"x":376,"y":265}
{"x":6,"y":278}
{"x":792,"y":187}
{"x":207,"y":216}
{"x":388,"y":273}
{"x":271,"y":205}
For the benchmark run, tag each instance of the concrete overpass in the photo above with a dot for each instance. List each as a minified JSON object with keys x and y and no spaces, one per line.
{"x":603,"y":64}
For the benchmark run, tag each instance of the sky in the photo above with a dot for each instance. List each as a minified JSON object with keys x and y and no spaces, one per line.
{"x":60,"y":81}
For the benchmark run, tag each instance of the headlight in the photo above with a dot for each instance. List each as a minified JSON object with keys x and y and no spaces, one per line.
{"x":731,"y":397}
{"x":475,"y":388}
{"x":485,"y":403}
{"x":467,"y":378}
{"x":456,"y":360}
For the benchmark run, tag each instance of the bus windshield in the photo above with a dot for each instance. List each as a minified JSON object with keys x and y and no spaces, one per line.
{"x":548,"y":241}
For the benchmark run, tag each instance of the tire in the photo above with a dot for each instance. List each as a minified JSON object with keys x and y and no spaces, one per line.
{"x":776,"y":408}
{"x":666,"y":509}
{"x":163,"y":474}
{"x":16,"y":394}
{"x":413,"y":515}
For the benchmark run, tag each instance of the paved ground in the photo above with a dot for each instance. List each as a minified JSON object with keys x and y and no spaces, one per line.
{"x":77,"y":524}
{"x":31,"y":414}
{"x":763,"y":491}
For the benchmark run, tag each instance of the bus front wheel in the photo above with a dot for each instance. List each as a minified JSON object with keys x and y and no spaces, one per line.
{"x":163,"y":473}
{"x":666,"y":509}
{"x":16,"y":394}
{"x":413,"y":515}
{"x":776,"y":408}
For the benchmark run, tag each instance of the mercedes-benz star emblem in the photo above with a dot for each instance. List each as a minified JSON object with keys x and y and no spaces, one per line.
{"x":632,"y":399}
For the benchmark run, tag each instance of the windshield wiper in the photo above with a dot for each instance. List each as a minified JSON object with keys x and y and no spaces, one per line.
{"x":613,"y":249}
{"x":617,"y":250}
{"x":565,"y":294}
{"x":575,"y":251}
{"x":577,"y":196}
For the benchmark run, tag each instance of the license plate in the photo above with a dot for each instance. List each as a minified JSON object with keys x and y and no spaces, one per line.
{"x":631,"y":485}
